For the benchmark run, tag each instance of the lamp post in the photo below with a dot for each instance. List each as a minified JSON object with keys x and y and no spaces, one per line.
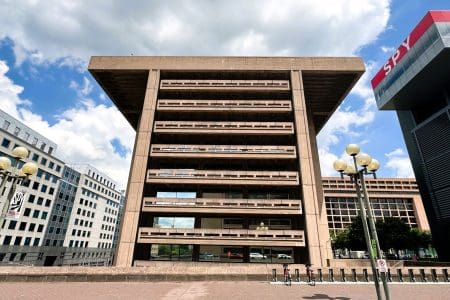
{"x":369,"y":166}
{"x":10,"y":172}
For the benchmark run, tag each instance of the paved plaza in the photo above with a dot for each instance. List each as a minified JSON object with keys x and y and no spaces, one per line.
{"x":212,"y":290}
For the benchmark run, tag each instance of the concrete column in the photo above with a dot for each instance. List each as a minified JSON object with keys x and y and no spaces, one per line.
{"x":317,"y":235}
{"x":138,"y":173}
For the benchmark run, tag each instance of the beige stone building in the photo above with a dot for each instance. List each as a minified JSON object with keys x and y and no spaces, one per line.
{"x":389,"y":197}
{"x":225,"y":165}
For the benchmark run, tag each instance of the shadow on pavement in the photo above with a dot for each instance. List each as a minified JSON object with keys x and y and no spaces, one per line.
{"x":325,"y":297}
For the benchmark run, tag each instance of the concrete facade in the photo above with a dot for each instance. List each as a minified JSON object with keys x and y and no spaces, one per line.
{"x":236,"y":134}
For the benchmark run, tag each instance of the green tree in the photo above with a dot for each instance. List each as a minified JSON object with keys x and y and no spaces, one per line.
{"x":393,"y":233}
{"x":355,"y":236}
{"x":340,"y":240}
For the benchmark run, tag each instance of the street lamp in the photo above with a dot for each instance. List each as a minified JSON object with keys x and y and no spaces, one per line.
{"x":369,"y":166}
{"x":16,"y":176}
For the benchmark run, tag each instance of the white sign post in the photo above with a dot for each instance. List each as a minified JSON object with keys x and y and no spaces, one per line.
{"x":15,"y":205}
{"x":382,"y":266}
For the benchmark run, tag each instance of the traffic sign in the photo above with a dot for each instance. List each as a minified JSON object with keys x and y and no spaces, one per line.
{"x":382,"y":265}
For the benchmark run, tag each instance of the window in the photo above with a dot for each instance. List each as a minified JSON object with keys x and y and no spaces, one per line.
{"x":43,"y":161}
{"x":50,"y":150}
{"x":6,"y":125}
{"x":71,"y":243}
{"x":26,"y":136}
{"x":16,"y":131}
{"x":51,"y":191}
{"x":32,"y":226}
{"x":27,"y":241}
{"x":35,"y":157}
{"x":48,"y":202}
{"x":58,"y":168}
{"x":17,"y":241}
{"x":12,"y":224}
{"x":31,"y":198}
{"x":22,"y":226}
{"x":36,"y":242}
{"x":35,"y":185}
{"x":27,"y":212}
{"x":40,"y":228}
{"x":40,"y":200}
{"x":7,"y":240}
{"x":36,"y":213}
{"x":6,"y":143}
{"x":51,"y":164}
{"x":43,"y":146}
{"x":44,"y":215}
{"x":43,"y":188}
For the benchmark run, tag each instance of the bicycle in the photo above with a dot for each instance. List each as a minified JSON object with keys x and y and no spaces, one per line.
{"x":287,"y":275}
{"x":310,"y":275}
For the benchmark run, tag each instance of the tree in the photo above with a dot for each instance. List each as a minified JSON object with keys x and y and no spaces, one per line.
{"x":356,"y":239}
{"x":340,"y":240}
{"x":393,"y":233}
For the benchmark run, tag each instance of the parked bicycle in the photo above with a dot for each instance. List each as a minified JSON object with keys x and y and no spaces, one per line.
{"x":287,"y":275}
{"x":310,"y":275}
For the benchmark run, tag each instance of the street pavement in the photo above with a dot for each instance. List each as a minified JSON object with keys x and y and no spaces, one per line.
{"x":214,"y":290}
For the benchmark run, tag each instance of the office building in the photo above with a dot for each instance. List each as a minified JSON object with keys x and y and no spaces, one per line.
{"x":415,"y":82}
{"x":389,"y":197}
{"x":225,"y":165}
{"x":28,"y":230}
{"x":70,"y":212}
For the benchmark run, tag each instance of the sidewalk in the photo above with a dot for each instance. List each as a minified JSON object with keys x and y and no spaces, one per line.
{"x":215,"y":290}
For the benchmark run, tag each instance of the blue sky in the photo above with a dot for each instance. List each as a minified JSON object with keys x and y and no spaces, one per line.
{"x":45,"y":47}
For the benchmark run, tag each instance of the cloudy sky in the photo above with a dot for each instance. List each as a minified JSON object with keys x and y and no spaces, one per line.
{"x":45,"y":47}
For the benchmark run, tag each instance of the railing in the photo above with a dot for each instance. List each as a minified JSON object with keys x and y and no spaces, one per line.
{"x":224,"y":127}
{"x":229,"y":151}
{"x":177,"y":176}
{"x":221,"y":236}
{"x":267,"y":206}
{"x":224,"y":105}
{"x":170,"y":84}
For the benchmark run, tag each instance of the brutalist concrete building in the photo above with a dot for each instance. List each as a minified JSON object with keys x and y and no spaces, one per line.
{"x":415,"y":82}
{"x":225,"y":165}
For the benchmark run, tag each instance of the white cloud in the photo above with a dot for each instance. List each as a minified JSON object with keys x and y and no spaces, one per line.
{"x":399,"y":162}
{"x":386,"y":49}
{"x":68,"y":33}
{"x":83,"y":134}
{"x":346,"y":123}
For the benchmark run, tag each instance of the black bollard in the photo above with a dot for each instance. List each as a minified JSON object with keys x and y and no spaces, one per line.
{"x":366,"y":275}
{"x":423,"y":277}
{"x":355,"y":278}
{"x":445,"y":272}
{"x":434,"y":276}
{"x":319,"y":271}
{"x":400,"y":275}
{"x":330,"y":275}
{"x":389,"y":275}
{"x":343,"y":275}
{"x":411,"y":275}
{"x":297,"y":275}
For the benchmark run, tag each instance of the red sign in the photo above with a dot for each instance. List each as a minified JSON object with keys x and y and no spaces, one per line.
{"x":430,"y":18}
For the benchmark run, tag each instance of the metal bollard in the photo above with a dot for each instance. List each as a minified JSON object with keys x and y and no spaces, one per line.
{"x":274,"y":275}
{"x":343,"y":275}
{"x":389,"y":275}
{"x":434,"y":276}
{"x":330,"y":275}
{"x":366,"y":275}
{"x":319,"y":272}
{"x":445,"y":272}
{"x":297,"y":275}
{"x":411,"y":275}
{"x":423,"y":277}
{"x":355,"y":278}
{"x":400,"y":275}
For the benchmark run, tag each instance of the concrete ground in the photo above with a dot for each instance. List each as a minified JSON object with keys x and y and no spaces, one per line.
{"x":214,"y":290}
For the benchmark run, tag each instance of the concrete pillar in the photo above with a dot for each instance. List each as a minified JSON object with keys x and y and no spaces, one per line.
{"x":138,"y":172}
{"x":317,"y":235}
